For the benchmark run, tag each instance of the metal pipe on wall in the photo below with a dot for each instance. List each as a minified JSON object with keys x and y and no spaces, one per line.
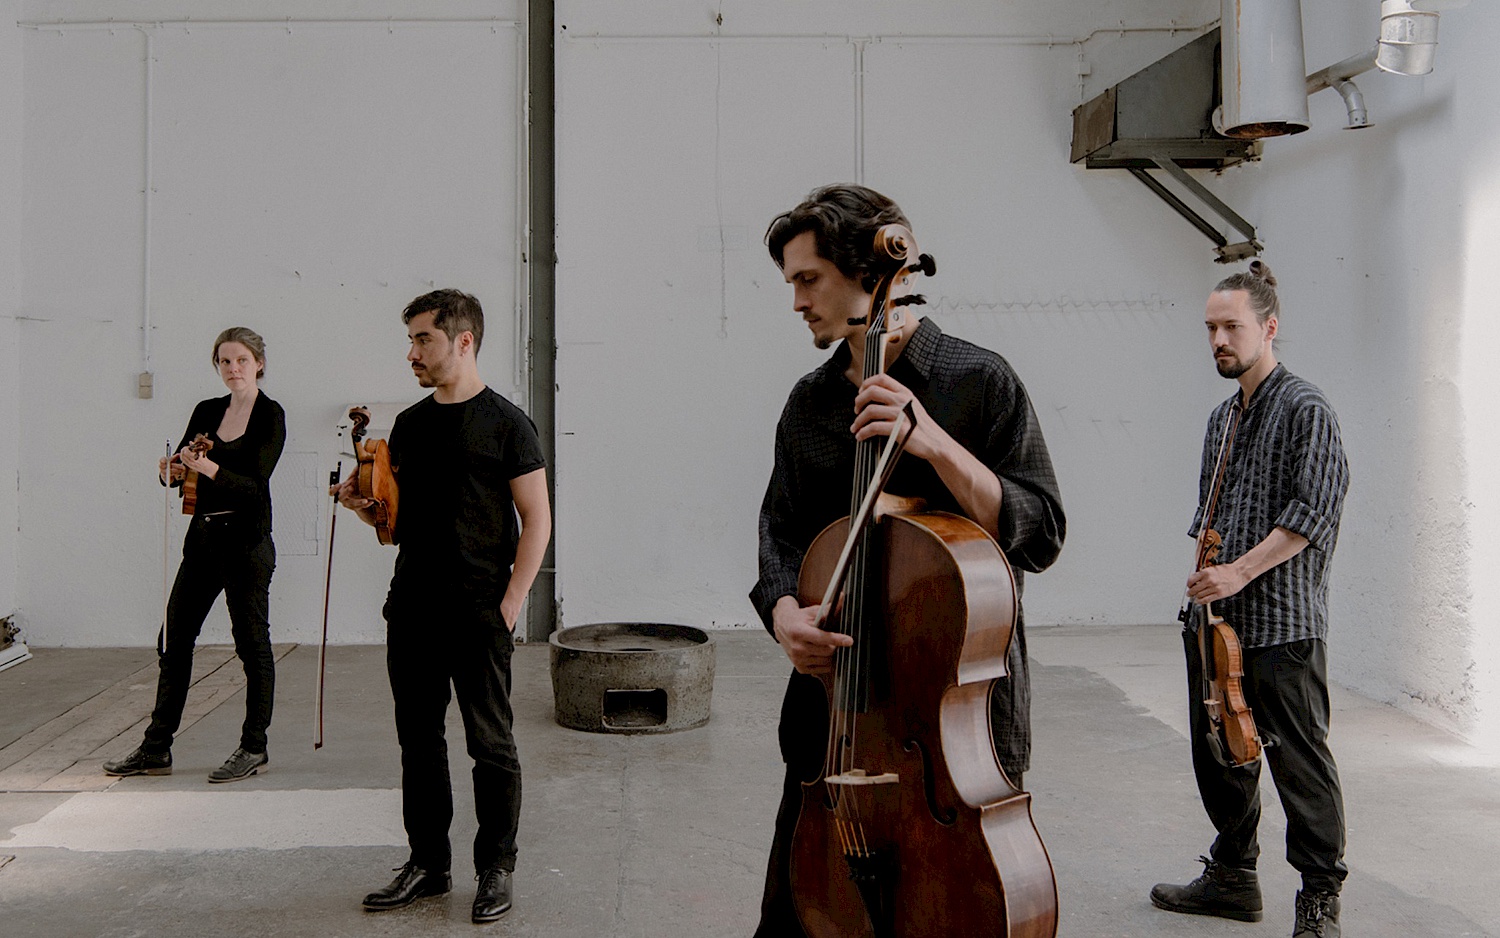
{"x":1265,"y":89}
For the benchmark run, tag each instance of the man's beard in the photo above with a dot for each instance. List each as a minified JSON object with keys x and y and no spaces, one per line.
{"x":1234,"y":367}
{"x":1231,"y":369}
{"x":822,"y":342}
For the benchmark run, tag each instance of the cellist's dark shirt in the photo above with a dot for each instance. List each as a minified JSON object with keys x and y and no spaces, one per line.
{"x":977,"y":398}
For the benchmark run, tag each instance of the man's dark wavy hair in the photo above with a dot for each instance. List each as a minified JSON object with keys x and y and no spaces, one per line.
{"x":843,"y":219}
{"x":457,"y":312}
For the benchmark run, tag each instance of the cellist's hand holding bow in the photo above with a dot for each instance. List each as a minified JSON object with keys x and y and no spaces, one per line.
{"x":809,"y":648}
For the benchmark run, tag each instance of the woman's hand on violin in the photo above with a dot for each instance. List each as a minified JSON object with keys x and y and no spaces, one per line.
{"x":809,"y":648}
{"x":1216,"y":582}
{"x":170,"y":470}
{"x":877,"y":405}
{"x":198,"y":462}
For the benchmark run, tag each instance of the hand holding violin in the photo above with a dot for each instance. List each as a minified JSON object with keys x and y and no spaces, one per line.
{"x":1216,"y":582}
{"x":348,"y":495}
{"x":196,"y":461}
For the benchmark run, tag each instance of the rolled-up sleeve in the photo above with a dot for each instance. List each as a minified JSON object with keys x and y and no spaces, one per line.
{"x":1321,"y":477}
{"x":1032,"y":525}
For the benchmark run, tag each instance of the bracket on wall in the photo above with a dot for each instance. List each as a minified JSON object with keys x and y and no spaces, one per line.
{"x":1161,"y":118}
{"x":1227,"y":253}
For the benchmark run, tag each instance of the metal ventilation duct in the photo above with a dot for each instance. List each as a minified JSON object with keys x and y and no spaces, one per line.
{"x":1265,"y":84}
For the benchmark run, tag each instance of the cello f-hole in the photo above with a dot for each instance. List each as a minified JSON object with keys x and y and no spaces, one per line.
{"x":946,"y":816}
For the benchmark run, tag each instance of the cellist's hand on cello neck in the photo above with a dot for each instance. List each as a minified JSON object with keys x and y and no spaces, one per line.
{"x":978,"y":490}
{"x":809,"y":648}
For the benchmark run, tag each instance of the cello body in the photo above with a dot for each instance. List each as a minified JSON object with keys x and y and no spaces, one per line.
{"x":927,"y":837}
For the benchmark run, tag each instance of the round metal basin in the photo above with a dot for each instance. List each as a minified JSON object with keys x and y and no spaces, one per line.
{"x":632,"y":677}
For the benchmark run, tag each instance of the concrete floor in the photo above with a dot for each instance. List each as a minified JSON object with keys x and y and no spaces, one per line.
{"x":665,"y":835}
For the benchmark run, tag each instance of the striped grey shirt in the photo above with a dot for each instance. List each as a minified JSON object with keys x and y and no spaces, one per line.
{"x":1286,"y":470}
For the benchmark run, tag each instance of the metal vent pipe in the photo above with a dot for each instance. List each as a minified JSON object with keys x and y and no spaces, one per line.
{"x":1408,"y":37}
{"x":1264,"y":74}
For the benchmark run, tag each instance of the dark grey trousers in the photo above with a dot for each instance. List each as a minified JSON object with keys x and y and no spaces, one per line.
{"x":1286,"y":687}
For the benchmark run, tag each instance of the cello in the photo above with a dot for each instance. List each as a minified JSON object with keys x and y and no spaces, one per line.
{"x":1232,"y":738}
{"x":913,"y":829}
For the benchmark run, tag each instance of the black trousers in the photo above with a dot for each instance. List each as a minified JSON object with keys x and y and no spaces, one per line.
{"x":427,"y":650}
{"x":218,"y":556}
{"x":1286,"y":687}
{"x":803,"y":733}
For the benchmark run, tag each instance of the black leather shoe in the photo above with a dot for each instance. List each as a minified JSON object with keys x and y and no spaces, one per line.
{"x":1221,"y":891}
{"x":141,"y":762}
{"x":1317,"y":915}
{"x":241,"y":764}
{"x":492,"y":899}
{"x":411,"y":883}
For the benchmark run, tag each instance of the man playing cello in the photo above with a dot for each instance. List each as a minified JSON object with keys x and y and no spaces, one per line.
{"x":976,"y":450}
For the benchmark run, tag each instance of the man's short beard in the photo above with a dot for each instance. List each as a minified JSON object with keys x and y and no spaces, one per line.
{"x":822,"y":343}
{"x":1231,"y":369}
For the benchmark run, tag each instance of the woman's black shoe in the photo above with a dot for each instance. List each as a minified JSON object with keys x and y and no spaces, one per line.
{"x":141,"y":762}
{"x":411,"y":883}
{"x":492,"y":899}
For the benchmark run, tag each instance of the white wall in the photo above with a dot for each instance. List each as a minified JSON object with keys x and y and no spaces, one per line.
{"x":667,"y":299}
{"x":1381,"y":242}
{"x":1087,"y":283}
{"x":10,"y":289}
{"x":308,"y":180}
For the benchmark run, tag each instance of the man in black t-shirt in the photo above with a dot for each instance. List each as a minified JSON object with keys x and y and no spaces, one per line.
{"x":468,"y":463}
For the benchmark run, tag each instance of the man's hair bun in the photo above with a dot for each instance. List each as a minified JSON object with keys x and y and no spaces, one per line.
{"x":1261,"y":269}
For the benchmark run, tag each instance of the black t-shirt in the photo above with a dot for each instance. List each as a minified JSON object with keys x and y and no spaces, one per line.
{"x":457,"y":525}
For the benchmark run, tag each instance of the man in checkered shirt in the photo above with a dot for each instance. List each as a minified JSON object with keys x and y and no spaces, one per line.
{"x":976,"y":450}
{"x":1283,"y":489}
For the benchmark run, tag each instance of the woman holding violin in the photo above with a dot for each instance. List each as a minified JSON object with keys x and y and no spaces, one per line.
{"x":228,"y":452}
{"x":976,"y":452}
{"x":1272,"y":487}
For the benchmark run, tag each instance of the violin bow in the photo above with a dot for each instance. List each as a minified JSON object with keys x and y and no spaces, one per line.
{"x":166,"y":548}
{"x":333,"y":520}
